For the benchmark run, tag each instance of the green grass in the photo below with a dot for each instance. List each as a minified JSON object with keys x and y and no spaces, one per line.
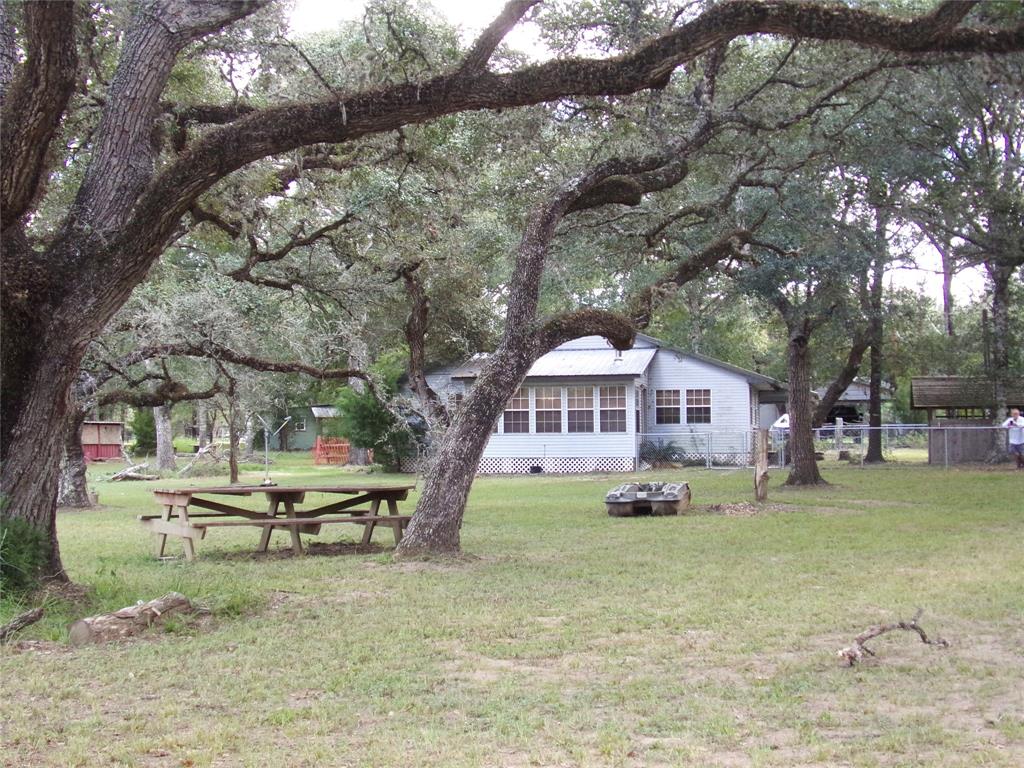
{"x":569,"y":638}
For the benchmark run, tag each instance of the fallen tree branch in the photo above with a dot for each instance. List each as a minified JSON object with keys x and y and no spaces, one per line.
{"x":856,"y":652}
{"x":129,"y":621}
{"x":208,"y":451}
{"x":132,"y":473}
{"x":18,"y":623}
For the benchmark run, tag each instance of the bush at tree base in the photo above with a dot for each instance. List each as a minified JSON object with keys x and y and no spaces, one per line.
{"x":24,"y":552}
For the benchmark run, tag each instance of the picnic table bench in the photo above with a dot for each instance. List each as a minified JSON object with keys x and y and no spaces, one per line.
{"x":176,"y":519}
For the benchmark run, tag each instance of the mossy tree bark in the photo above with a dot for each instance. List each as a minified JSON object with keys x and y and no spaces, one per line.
{"x":801,"y":441}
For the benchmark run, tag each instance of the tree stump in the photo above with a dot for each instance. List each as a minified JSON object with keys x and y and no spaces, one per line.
{"x":127,"y":622}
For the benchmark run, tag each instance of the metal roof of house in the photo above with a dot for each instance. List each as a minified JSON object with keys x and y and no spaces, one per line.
{"x":960,"y":392}
{"x":324,"y":411}
{"x":575,"y":362}
{"x":606,"y":361}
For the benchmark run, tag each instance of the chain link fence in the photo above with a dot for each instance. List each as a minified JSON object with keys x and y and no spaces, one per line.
{"x":908,"y":444}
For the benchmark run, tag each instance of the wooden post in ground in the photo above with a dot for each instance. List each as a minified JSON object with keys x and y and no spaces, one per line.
{"x":761,"y":465}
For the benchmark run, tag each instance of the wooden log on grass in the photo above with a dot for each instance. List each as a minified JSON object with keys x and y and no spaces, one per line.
{"x":133,"y":473}
{"x":129,"y":621}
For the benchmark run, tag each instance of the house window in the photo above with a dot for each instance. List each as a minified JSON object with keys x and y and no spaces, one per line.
{"x":613,"y":408}
{"x":667,"y":406}
{"x":517,"y":413}
{"x":548,"y":403}
{"x":581,"y":409}
{"x":455,"y":401}
{"x":299,"y":424}
{"x":698,"y":406}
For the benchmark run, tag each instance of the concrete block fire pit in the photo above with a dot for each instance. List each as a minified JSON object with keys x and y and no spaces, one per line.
{"x":634,"y":499}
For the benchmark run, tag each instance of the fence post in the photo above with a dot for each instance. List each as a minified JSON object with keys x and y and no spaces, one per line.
{"x":761,"y":465}
{"x":839,"y":435}
{"x":945,"y":448}
{"x":709,"y":451}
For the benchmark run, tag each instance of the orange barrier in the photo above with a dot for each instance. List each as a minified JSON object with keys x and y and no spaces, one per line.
{"x":330,"y":450}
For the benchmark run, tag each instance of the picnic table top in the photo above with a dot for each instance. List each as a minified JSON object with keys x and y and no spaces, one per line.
{"x":248,"y":490}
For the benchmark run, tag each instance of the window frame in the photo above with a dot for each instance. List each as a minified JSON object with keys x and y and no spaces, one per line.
{"x":699,"y":406}
{"x":663,"y":408}
{"x":585,"y":412}
{"x":520,"y":395}
{"x":612,"y":411}
{"x":552,"y":416}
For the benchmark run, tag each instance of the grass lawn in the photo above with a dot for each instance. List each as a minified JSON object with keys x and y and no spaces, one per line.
{"x":568,"y":638}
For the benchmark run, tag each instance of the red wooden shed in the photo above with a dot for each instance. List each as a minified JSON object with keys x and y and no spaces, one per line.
{"x":102,"y":439}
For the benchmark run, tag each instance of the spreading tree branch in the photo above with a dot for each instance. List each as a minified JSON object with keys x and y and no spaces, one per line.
{"x":489,"y":40}
{"x":416,"y":338}
{"x":298,"y":239}
{"x":34,"y":103}
{"x":845,"y":377}
{"x":278,"y":129}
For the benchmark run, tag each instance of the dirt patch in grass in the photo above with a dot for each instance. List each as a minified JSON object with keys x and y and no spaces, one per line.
{"x":74,"y":595}
{"x":41,"y":647}
{"x":964,"y":692}
{"x":437,"y":563}
{"x":740,"y":509}
{"x":315,"y":548}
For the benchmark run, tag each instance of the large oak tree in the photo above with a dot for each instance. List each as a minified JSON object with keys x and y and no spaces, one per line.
{"x":59,"y":293}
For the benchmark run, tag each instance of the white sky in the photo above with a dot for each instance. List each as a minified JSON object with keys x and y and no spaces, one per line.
{"x":473,"y":15}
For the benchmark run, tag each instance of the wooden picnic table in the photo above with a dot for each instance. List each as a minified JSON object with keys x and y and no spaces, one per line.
{"x":175,"y":518}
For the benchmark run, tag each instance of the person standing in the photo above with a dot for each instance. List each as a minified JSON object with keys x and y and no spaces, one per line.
{"x":1015,"y":424}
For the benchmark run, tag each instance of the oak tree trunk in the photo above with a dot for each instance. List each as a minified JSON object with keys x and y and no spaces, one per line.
{"x":875,"y":329}
{"x":804,"y":470}
{"x":947,"y":292}
{"x":35,"y":408}
{"x":1000,"y":276}
{"x":164,"y":438}
{"x":201,"y":422}
{"x":232,"y":433}
{"x":435,"y":526}
{"x":73,"y":488}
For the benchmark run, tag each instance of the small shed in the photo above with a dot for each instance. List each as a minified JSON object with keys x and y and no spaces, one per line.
{"x":308,"y":423}
{"x":960,"y":397}
{"x":102,"y":440}
{"x":957,"y":406}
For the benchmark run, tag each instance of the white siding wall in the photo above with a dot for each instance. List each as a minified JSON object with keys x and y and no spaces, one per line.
{"x":730,"y":399}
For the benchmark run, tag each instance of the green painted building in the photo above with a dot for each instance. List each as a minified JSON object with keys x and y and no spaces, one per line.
{"x":308,"y":422}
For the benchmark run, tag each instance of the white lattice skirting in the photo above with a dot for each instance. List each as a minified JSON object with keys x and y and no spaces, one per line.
{"x":555,"y":465}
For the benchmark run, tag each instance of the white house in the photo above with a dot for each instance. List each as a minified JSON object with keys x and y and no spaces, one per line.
{"x":586,"y":407}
